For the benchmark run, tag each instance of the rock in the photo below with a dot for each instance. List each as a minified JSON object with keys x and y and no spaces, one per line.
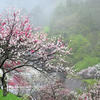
{"x":90,"y":72}
{"x":73,"y":84}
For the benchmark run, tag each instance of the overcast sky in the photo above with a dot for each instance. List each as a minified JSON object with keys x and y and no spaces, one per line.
{"x":28,"y":4}
{"x":46,"y":6}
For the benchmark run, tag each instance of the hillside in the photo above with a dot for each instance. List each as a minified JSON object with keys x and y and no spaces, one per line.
{"x":79,"y":25}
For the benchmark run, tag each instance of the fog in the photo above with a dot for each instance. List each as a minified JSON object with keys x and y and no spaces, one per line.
{"x":40,"y":10}
{"x":78,"y":24}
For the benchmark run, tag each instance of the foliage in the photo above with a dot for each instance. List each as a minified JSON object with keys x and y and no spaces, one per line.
{"x":46,"y":29}
{"x":25,"y":97}
{"x":59,"y":9}
{"x":79,"y":23}
{"x":89,"y":81}
{"x":86,"y":62}
{"x":80,"y":47}
{"x":9,"y":96}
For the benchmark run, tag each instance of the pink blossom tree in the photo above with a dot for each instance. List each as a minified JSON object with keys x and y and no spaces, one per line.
{"x":21,"y":46}
{"x":56,"y":91}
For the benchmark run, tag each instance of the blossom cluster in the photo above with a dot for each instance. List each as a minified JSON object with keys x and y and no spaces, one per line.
{"x":91,"y":72}
{"x":92,"y":93}
{"x":20,"y":43}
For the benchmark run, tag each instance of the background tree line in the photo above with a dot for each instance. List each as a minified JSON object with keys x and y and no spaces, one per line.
{"x":80,"y":23}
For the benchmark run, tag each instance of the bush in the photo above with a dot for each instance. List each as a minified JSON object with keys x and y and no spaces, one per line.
{"x":86,"y":62}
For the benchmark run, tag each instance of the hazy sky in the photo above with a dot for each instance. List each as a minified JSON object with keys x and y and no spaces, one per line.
{"x":46,"y":6}
{"x":29,"y":4}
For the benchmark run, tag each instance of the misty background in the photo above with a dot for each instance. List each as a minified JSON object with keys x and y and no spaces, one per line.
{"x":40,"y":10}
{"x":78,"y":23}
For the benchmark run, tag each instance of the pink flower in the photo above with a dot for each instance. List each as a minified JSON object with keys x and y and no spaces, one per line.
{"x":47,"y":40}
{"x":29,"y":35}
{"x":7,"y":47}
{"x":29,"y":28}
{"x":35,"y":41}
{"x":26,"y":33}
{"x":39,"y":27}
{"x":12,"y":83}
{"x":3,"y":24}
{"x":29,"y":69}
{"x":52,"y":57}
{"x":62,"y":45}
{"x":68,"y":52}
{"x":14,"y":14}
{"x":70,"y":49}
{"x":35,"y":29}
{"x":32,"y":51}
{"x":59,"y":40}
{"x":89,"y":94}
{"x":26,"y":21}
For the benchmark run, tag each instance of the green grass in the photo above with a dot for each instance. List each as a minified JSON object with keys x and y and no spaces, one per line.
{"x":90,"y":81}
{"x":75,"y":76}
{"x":87,"y":62}
{"x":9,"y":96}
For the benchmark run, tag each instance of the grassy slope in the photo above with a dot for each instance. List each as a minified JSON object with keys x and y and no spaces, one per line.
{"x":9,"y":96}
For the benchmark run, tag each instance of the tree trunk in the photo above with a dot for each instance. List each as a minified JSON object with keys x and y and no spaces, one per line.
{"x":0,"y":83}
{"x":4,"y":83}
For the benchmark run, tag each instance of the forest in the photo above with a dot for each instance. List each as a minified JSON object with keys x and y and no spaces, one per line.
{"x":79,"y":26}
